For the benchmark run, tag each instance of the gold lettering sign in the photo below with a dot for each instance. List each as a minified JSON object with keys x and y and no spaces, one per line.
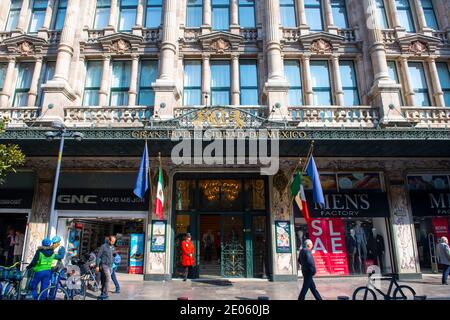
{"x":199,"y":134}
{"x":219,"y":118}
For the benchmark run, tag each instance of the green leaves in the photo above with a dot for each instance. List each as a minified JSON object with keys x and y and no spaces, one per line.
{"x":11,"y":157}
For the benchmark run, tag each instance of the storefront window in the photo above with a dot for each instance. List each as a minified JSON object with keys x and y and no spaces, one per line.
{"x":350,"y":233}
{"x":221,"y":194}
{"x":184,"y":194}
{"x":430,"y":202}
{"x":255,"y":194}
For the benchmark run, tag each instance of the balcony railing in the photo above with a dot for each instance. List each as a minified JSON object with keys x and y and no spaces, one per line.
{"x":93,"y":34}
{"x":441,"y":35}
{"x":19,"y":116}
{"x":389,"y":35}
{"x":249,"y":34}
{"x":5,"y":35}
{"x":191,"y":34}
{"x":151,"y":35}
{"x":335,"y":116}
{"x":427,"y":117}
{"x":54,"y":36}
{"x":291,"y":34}
{"x":121,"y":116}
{"x":348,"y":34}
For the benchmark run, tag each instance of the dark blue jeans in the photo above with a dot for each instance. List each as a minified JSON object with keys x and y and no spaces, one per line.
{"x":308,"y":284}
{"x":445,"y":272}
{"x":114,"y":279}
{"x":42,"y":277}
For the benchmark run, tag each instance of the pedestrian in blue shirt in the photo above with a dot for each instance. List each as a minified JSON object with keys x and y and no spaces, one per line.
{"x":116,"y":263}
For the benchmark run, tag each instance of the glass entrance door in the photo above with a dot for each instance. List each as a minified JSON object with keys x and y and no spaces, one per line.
{"x":233,"y":247}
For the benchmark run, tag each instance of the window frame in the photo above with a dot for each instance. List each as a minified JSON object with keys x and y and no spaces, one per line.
{"x":9,"y":15}
{"x":192,"y":87}
{"x":385,"y":17}
{"x":119,"y":89}
{"x":140,"y":86}
{"x":86,"y":78}
{"x":397,"y":80}
{"x":299,"y":65}
{"x":22,"y":90}
{"x":124,"y":7}
{"x":323,"y":89}
{"x":146,"y":12}
{"x":444,"y":89}
{"x":355,"y":87}
{"x":5,"y":66}
{"x":212,"y":14}
{"x":254,"y":87}
{"x":343,"y":4}
{"x":294,"y":9}
{"x":101,"y":7}
{"x":433,"y":12}
{"x":42,"y":78}
{"x":315,"y":6}
{"x":33,"y":10}
{"x":421,"y":90}
{"x":188,"y":5}
{"x":246,"y":5}
{"x":221,"y":89}
{"x":55,"y":21}
{"x":409,"y":13}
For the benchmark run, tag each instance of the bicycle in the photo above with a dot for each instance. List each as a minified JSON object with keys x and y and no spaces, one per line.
{"x":401,"y":292}
{"x":63,"y":287}
{"x":14,"y":278}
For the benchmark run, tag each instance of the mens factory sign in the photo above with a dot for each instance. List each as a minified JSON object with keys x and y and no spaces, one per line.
{"x":349,"y":204}
{"x":100,"y":199}
{"x":16,"y":199}
{"x":430,"y":203}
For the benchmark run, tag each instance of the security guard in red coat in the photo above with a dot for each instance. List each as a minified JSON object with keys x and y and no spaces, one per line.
{"x":187,"y":255}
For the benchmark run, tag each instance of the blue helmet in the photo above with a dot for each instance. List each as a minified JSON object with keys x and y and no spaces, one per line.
{"x":46,"y":242}
{"x":56,"y":239}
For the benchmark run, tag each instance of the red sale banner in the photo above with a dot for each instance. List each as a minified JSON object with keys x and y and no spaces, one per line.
{"x":440,"y":228}
{"x":328,"y":237}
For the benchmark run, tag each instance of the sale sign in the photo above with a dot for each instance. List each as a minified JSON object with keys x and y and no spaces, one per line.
{"x":328,"y":237}
{"x":440,"y":227}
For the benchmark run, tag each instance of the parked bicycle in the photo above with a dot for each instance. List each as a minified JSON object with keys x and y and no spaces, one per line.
{"x":66,"y":285}
{"x":14,"y":283}
{"x":394,"y":292}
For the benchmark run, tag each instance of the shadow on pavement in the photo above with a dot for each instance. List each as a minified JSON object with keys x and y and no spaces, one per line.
{"x":220,"y":283}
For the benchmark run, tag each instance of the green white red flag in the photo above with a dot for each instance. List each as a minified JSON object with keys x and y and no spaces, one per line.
{"x":160,"y":194}
{"x":298,"y":192}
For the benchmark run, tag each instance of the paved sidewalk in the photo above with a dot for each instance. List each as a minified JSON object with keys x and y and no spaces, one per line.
{"x":134,"y":288}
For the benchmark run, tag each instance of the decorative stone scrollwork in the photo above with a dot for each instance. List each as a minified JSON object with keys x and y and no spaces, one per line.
{"x":120,"y":46}
{"x":418,"y":47}
{"x":25,"y":48}
{"x":220,"y":45}
{"x":280,"y":181}
{"x":321,"y":46}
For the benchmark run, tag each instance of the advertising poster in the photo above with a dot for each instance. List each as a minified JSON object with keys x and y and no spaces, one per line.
{"x":440,"y":228}
{"x":328,"y":237}
{"x":158,"y":243}
{"x":73,"y":245}
{"x":283,"y":236}
{"x":136,"y":253}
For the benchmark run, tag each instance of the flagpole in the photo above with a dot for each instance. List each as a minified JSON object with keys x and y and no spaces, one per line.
{"x":148,"y":223}
{"x":311,"y":149}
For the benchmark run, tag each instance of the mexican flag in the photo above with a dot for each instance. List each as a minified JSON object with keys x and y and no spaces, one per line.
{"x":160,"y":194}
{"x":298,"y":192}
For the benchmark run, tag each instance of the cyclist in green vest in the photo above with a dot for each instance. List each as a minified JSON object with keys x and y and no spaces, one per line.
{"x":42,"y":265}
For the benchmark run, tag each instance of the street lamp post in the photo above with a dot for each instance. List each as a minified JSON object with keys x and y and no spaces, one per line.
{"x":62,"y":133}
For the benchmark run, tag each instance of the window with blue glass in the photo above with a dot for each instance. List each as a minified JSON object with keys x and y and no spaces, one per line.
{"x":120,"y":83}
{"x":419,"y":84}
{"x":287,"y":12}
{"x":292,"y":73}
{"x":220,"y":83}
{"x":339,"y":10}
{"x":37,"y":15}
{"x":153,"y":14}
{"x":49,"y":72}
{"x":13,"y":16}
{"x":313,"y":11}
{"x":127,"y":14}
{"x":349,"y":83}
{"x":102,"y":12}
{"x":220,"y":14}
{"x":320,"y":78}
{"x":381,"y":14}
{"x":393,"y":75}
{"x":92,"y":84}
{"x":405,"y":16}
{"x":192,"y":91}
{"x":23,"y":84}
{"x":430,"y":14}
{"x":444,"y":79}
{"x":248,"y":81}
{"x":247,"y":13}
{"x":3,"y":68}
{"x":148,"y":75}
{"x":194,"y":13}
{"x":60,"y":15}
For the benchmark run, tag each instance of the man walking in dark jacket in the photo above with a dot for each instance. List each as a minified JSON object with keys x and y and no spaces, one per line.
{"x":306,"y":260}
{"x":104,"y":265}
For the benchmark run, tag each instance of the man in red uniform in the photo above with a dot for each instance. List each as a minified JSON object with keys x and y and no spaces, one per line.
{"x":187,"y":255}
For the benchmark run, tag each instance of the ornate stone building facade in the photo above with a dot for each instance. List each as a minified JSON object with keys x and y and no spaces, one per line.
{"x":367,"y":80}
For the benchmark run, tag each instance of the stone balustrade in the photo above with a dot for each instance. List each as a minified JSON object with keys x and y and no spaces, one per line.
{"x":151,"y":35}
{"x":54,"y":36}
{"x":427,"y":117}
{"x":335,"y":116}
{"x":348,"y":34}
{"x":121,"y":116}
{"x":5,"y":35}
{"x":19,"y":116}
{"x":388,"y":35}
{"x":441,"y":35}
{"x":249,"y":34}
{"x":93,"y":35}
{"x":191,"y":34}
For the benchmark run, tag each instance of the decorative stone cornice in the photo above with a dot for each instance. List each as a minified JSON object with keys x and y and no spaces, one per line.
{"x":117,"y":43}
{"x":419,"y":44}
{"x":321,"y":42}
{"x":220,"y":41}
{"x":25,"y":45}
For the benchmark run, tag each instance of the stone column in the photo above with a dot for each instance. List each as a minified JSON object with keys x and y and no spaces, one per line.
{"x":32,"y":94}
{"x":329,"y":20}
{"x":166,"y":92}
{"x":392,"y":10}
{"x":385,"y":92}
{"x":303,"y":24}
{"x":421,"y":18}
{"x":339,"y":93}
{"x":8,"y":83}
{"x":137,"y":29}
{"x":437,"y":89}
{"x":307,"y":82}
{"x":112,"y":24}
{"x":234,"y":15}
{"x":48,"y":14}
{"x":23,"y":17}
{"x":206,"y":80}
{"x":409,"y":92}
{"x":235,"y":87}
{"x":206,"y":27}
{"x":65,"y":48}
{"x":104,"y":86}
{"x":133,"y":80}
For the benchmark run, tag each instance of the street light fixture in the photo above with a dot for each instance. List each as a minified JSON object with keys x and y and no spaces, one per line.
{"x":60,"y":131}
